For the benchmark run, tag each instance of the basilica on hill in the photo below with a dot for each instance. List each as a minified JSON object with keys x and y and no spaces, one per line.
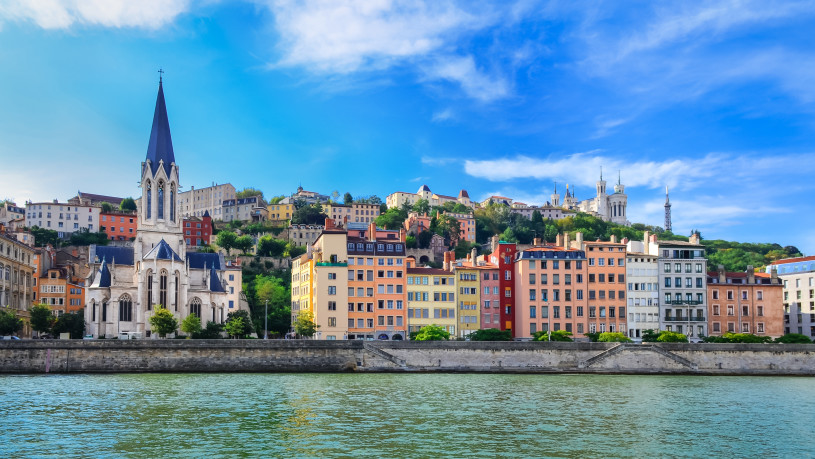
{"x":609,"y":207}
{"x":126,"y":284}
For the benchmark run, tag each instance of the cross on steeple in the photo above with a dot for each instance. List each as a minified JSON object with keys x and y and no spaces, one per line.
{"x":160,"y":74}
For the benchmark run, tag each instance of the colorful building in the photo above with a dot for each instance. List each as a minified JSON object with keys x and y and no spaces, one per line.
{"x":208,"y":200}
{"x":503,"y":256}
{"x":747,"y":302}
{"x":198,"y":230}
{"x":468,"y":280}
{"x":280,"y":213}
{"x":16,"y":276}
{"x":551,"y":291}
{"x":798,"y":280}
{"x":606,"y":286}
{"x":400,"y":198}
{"x":357,"y":212}
{"x":118,"y":225}
{"x":431,"y":296}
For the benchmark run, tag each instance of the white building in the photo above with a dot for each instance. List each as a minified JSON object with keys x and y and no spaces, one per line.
{"x":609,"y":207}
{"x":62,"y":217}
{"x":126,"y":283}
{"x":683,"y":286}
{"x":197,"y":202}
{"x":642,"y":292}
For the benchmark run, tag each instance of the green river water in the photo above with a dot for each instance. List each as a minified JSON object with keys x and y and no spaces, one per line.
{"x":405,"y":415}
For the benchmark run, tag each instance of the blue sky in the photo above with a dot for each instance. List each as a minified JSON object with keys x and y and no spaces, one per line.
{"x":714,"y":99}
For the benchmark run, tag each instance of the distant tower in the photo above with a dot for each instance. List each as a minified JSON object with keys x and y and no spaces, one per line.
{"x":667,"y":211}
{"x":555,"y":197}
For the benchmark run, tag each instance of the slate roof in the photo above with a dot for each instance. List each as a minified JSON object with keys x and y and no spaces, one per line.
{"x":104,"y":276}
{"x":215,"y":283}
{"x":161,"y":145}
{"x":204,"y":260}
{"x":162,"y":251}
{"x":121,"y":255}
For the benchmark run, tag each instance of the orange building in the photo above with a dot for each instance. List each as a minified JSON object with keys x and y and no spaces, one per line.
{"x":119,"y":226}
{"x":606,"y":286}
{"x":550,"y":291}
{"x":59,"y":286}
{"x":745,"y":303}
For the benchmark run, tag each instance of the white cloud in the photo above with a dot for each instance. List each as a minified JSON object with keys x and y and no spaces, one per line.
{"x":346,"y":37}
{"x":443,"y":115}
{"x":62,"y":14}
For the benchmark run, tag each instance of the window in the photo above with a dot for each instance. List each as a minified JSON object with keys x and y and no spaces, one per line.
{"x":332,"y":290}
{"x":125,"y":309}
{"x":532,"y":312}
{"x":332,"y":305}
{"x":332,"y":276}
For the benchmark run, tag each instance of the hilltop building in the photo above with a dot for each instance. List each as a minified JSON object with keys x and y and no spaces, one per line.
{"x":400,"y":198}
{"x":197,"y":202}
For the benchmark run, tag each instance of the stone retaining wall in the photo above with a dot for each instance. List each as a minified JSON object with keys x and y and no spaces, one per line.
{"x":114,"y":356}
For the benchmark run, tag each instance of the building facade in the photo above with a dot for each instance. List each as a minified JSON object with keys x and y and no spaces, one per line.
{"x":64,"y":218}
{"x":280,"y":213}
{"x":431,"y":299}
{"x":198,"y":230}
{"x":400,"y":198}
{"x":683,"y":293}
{"x":251,"y":209}
{"x":119,"y":226}
{"x":302,"y":235}
{"x":347,"y":213}
{"x":747,"y":302}
{"x":606,"y":286}
{"x":16,"y":277}
{"x":642,"y":276}
{"x":798,"y":280}
{"x":198,"y":201}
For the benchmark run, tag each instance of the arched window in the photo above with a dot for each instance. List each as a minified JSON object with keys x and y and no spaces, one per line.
{"x":104,"y":311}
{"x":172,"y":202}
{"x":149,"y":194}
{"x":162,"y":289}
{"x":149,"y":290}
{"x":195,"y":307}
{"x":213,"y":313}
{"x":160,"y":198}
{"x":125,"y":308}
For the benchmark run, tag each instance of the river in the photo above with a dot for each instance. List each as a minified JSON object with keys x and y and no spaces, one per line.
{"x":405,"y":415}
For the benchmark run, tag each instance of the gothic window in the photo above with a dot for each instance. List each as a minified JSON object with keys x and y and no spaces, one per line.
{"x":149,"y":194}
{"x":149,"y":290}
{"x":162,"y":288}
{"x":104,"y":311}
{"x":195,"y":307}
{"x":125,"y":308}
{"x":160,"y":198}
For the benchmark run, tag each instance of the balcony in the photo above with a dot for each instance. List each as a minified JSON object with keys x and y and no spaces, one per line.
{"x":681,"y":302}
{"x":684,"y":319}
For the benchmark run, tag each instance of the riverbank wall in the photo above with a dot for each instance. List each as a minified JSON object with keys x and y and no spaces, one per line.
{"x":115,"y":356}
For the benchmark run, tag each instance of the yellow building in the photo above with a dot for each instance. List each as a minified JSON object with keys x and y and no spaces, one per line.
{"x":431,"y":299}
{"x":469,"y":299}
{"x":16,"y":275}
{"x":280,"y":212}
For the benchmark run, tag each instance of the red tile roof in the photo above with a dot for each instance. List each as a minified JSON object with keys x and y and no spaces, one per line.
{"x":792,"y":260}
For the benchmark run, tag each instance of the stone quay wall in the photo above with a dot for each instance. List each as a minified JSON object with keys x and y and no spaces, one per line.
{"x":115,"y":356}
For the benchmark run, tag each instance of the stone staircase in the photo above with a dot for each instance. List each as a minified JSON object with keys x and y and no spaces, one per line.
{"x":384,"y":355}
{"x":647,"y":347}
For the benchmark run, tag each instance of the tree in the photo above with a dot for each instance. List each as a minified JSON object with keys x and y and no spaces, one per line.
{"x":448,"y":227}
{"x":432,"y":333}
{"x":738,"y":338}
{"x":72,"y":322}
{"x":212,"y":331}
{"x":106,"y":207}
{"x":793,"y":338}
{"x":191,"y":325}
{"x":246,"y":322}
{"x":226,"y":240}
{"x":422,"y":206}
{"x":248,"y":192}
{"x":293,"y":251}
{"x":304,"y":324}
{"x":392,"y":219}
{"x":592,"y":336}
{"x":650,"y":336}
{"x":671,"y":337}
{"x":244,"y":243}
{"x":490,"y":334}
{"x":271,"y":247}
{"x":309,"y":215}
{"x":423,"y":239}
{"x":347,"y":198}
{"x":163,"y":321}
{"x":127,"y":205}
{"x":276,"y":199}
{"x":235,"y":327}
{"x":613,"y":337}
{"x":273,"y":290}
{"x":85,"y":237}
{"x":43,"y":237}
{"x":41,"y":318}
{"x":557,"y":335}
{"x":10,"y":324}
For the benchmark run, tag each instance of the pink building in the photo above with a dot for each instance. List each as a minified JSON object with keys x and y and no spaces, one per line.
{"x":490,"y":298}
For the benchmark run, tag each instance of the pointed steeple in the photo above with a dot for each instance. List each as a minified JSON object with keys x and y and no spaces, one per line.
{"x":160,"y":147}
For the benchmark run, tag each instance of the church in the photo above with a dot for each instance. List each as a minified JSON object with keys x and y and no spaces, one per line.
{"x":126,"y":284}
{"x":609,"y":207}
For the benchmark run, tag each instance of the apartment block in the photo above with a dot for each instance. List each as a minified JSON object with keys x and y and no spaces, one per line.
{"x":64,"y":218}
{"x":642,"y":276}
{"x":280,"y":213}
{"x":798,"y":280}
{"x":119,"y":226}
{"x":682,"y":278}
{"x":468,"y":280}
{"x":606,"y":286}
{"x":747,"y":302}
{"x":16,"y":276}
{"x":197,"y":230}
{"x":197,"y":202}
{"x":431,"y":295}
{"x":252,"y":209}
{"x":348,"y":213}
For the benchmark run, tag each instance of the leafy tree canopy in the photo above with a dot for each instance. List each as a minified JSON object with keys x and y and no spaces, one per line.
{"x":127,"y":205}
{"x":106,"y":207}
{"x":490,"y":334}
{"x":277,"y":199}
{"x":246,"y":322}
{"x":163,"y":321}
{"x":666,"y":336}
{"x":793,"y":338}
{"x":10,"y":324}
{"x":191,"y":325}
{"x":613,"y":337}
{"x":347,"y":198}
{"x":226,"y":240}
{"x":72,"y":322}
{"x":248,"y":192}
{"x":304,"y":324}
{"x":235,"y":327}
{"x":271,"y":247}
{"x":556,"y":335}
{"x":244,"y":243}
{"x":41,"y":318}
{"x":311,"y":214}
{"x":432,"y":333}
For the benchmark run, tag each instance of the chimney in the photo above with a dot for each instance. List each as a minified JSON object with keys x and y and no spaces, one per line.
{"x":625,"y":241}
{"x":579,"y":240}
{"x":613,"y":238}
{"x":751,"y":274}
{"x":494,"y":243}
{"x":566,"y":241}
{"x":329,"y":223}
{"x":446,"y":264}
{"x":372,"y":232}
{"x":474,"y":256}
{"x":654,"y":238}
{"x":559,"y":240}
{"x":694,"y":238}
{"x":646,"y":237}
{"x":409,"y":262}
{"x":722,"y":275}
{"x":537,"y":242}
{"x":402,"y":234}
{"x":774,"y":275}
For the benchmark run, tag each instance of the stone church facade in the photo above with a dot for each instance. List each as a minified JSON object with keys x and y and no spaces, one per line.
{"x":126,"y":284}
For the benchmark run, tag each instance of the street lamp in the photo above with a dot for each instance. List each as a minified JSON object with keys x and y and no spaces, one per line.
{"x":266,"y":322}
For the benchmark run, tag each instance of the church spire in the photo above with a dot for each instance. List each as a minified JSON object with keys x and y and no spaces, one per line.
{"x":160,"y":147}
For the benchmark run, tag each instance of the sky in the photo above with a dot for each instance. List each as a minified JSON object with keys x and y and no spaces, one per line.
{"x":714,"y":100}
